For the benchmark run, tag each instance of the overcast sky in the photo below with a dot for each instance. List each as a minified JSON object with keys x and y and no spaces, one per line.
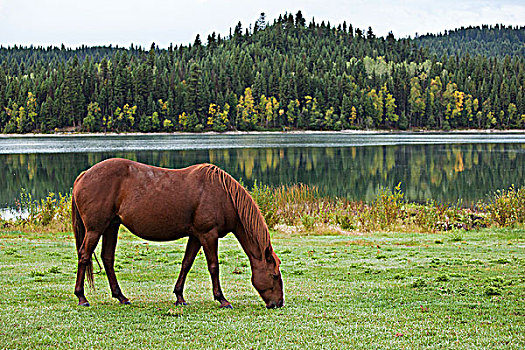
{"x":122,"y":22}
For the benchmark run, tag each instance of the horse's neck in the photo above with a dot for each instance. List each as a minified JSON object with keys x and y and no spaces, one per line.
{"x":252,"y":249}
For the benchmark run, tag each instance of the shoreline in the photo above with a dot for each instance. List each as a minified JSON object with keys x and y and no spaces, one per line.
{"x":292,"y":132}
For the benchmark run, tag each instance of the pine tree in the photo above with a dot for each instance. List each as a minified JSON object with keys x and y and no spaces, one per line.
{"x":346,"y":110}
{"x":72,"y":97}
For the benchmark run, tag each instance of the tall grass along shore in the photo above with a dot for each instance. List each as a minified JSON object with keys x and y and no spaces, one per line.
{"x":301,"y":208}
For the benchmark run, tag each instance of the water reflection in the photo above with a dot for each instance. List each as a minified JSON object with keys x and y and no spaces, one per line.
{"x":440,"y":171}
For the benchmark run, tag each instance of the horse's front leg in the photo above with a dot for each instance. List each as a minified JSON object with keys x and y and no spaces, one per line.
{"x":210,"y":243}
{"x":192,"y":248}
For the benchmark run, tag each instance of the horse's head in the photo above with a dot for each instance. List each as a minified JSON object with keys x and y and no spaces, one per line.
{"x":266,"y":278}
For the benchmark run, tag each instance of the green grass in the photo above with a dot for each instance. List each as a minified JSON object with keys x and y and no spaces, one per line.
{"x":462,"y":290}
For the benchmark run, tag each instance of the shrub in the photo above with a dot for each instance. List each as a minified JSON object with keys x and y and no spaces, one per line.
{"x":507,"y":207}
{"x":387,"y":206}
{"x":265,"y":197}
{"x":429,"y":215}
{"x":346,"y":221}
{"x":308,"y":222}
{"x":47,"y":209}
{"x":53,"y":211}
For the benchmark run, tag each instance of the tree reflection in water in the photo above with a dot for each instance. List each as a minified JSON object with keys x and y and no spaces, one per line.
{"x":446,"y":173}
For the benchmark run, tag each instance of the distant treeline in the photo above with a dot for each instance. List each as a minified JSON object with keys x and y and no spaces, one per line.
{"x":491,"y":41}
{"x":288,"y":74}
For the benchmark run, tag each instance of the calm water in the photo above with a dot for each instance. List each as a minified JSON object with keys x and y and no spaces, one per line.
{"x":444,"y":167}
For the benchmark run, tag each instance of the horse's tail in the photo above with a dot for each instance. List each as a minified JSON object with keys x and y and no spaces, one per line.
{"x":80,"y":232}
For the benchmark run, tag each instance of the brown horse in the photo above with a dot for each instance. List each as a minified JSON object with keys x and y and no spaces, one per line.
{"x":201,"y":202}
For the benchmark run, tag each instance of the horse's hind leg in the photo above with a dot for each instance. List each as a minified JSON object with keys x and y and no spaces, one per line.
{"x":109,"y":245}
{"x":84,"y":259}
{"x":192,"y":248}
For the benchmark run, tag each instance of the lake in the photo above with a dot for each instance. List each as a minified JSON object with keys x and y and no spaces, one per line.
{"x":446,"y":167}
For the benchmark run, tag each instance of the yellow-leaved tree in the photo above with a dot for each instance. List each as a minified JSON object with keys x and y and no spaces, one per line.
{"x":246,"y":113}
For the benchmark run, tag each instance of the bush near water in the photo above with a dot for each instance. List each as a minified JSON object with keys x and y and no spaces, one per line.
{"x":303,"y":206}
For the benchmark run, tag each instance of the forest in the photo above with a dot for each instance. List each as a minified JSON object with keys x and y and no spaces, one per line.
{"x":284,"y":75}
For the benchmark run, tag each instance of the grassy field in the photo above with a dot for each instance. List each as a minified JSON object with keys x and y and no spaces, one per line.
{"x":462,"y":290}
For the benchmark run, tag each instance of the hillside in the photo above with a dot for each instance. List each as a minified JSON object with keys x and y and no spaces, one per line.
{"x":288,"y":74}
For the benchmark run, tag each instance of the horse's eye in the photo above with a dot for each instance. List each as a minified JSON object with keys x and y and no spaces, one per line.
{"x":275,"y":277}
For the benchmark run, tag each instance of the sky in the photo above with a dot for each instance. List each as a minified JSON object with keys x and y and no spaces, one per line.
{"x":123,"y":22}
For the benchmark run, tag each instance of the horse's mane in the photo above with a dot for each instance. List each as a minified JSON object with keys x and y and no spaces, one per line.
{"x":247,"y":209}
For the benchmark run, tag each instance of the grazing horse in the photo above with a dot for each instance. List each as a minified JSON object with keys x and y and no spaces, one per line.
{"x":201,"y":202}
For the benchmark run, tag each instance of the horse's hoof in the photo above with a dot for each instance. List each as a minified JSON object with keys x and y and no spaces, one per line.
{"x":125,"y":302}
{"x":84,"y":304}
{"x":179,"y":303}
{"x":227,"y":306}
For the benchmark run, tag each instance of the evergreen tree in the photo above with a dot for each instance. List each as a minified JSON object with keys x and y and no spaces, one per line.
{"x":72,"y":97}
{"x":194,"y":91}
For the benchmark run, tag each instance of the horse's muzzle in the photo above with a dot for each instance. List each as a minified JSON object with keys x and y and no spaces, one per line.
{"x":275,"y":304}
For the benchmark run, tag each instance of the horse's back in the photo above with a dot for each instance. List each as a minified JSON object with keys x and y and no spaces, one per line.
{"x":154,"y":203}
